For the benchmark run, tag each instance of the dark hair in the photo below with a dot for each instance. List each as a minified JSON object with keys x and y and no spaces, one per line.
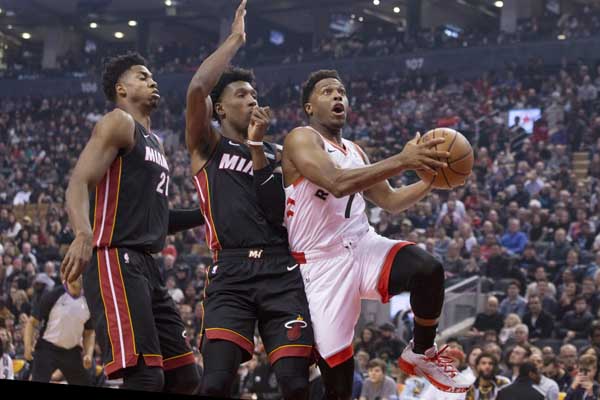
{"x":551,"y":360}
{"x":515,"y":283}
{"x":580,"y":297}
{"x":311,"y":82}
{"x":526,"y":368}
{"x":231,"y":74}
{"x":377,"y":362}
{"x":487,"y":355}
{"x":114,"y":67}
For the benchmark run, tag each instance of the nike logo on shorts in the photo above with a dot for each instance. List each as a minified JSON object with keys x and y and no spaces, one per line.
{"x":293,"y":267}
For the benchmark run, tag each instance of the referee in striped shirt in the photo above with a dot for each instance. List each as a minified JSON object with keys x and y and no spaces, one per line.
{"x":66,"y":339}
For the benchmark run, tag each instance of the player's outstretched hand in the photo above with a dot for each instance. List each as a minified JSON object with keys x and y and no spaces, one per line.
{"x":259,"y":123}
{"x":422,"y":157}
{"x":77,"y":257}
{"x":238,"y":27}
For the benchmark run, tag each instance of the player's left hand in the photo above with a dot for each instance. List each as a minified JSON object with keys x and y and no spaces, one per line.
{"x":259,"y":123}
{"x":87,"y":362}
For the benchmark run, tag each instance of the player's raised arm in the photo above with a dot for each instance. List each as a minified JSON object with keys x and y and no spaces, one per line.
{"x":199,"y":134}
{"x":303,"y":150}
{"x":113,"y":132}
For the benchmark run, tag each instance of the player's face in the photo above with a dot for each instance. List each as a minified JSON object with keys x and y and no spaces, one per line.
{"x":137,"y":84}
{"x":237,"y":102}
{"x":329,"y":103}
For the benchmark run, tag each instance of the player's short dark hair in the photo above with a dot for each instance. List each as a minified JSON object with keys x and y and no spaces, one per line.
{"x":377,"y":362}
{"x":231,"y":74}
{"x":114,"y":68}
{"x":313,"y":79}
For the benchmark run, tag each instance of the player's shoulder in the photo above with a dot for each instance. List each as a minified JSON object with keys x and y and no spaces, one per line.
{"x":118,"y":125}
{"x":353,"y":145}
{"x":302,"y":136}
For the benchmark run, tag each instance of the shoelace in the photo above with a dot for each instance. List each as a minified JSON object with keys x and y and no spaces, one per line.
{"x":444,"y":362}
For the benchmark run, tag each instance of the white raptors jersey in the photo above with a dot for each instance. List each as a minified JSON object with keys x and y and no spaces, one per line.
{"x":314,"y":218}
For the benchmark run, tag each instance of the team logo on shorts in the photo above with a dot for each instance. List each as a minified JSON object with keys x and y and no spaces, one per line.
{"x":294,"y":328}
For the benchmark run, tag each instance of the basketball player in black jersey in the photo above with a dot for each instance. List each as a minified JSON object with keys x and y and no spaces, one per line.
{"x":118,"y":209}
{"x":254,"y":278}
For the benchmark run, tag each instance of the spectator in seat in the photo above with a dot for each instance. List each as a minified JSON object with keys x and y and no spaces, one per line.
{"x":576,"y":324}
{"x":547,"y":386}
{"x":514,"y":302}
{"x":514,"y":240}
{"x":539,"y":322}
{"x":556,"y":255}
{"x":490,"y":319}
{"x":585,"y":385}
{"x":515,"y":359}
{"x":554,"y":370}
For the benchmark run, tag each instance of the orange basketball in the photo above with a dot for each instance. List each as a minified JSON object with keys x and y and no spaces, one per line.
{"x":460,"y":162}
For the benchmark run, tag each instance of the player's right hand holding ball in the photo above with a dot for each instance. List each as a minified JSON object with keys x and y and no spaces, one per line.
{"x":421,"y":156}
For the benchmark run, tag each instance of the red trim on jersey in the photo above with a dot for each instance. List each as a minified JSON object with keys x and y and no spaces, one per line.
{"x":107,"y":199}
{"x":290,"y":350}
{"x":340,"y":357}
{"x":153,"y":360}
{"x":116,"y":309}
{"x":179,"y":361}
{"x":299,"y":257}
{"x":202,"y":186}
{"x":384,"y":276}
{"x":297,"y":181}
{"x":231,"y":336}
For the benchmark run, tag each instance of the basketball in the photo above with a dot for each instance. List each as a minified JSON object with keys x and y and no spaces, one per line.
{"x":460,"y":162}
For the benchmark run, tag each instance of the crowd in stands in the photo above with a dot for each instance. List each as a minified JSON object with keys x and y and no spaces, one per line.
{"x":524,"y":222}
{"x":180,"y":57}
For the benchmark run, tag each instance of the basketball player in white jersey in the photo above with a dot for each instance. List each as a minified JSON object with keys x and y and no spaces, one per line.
{"x":342,"y":259}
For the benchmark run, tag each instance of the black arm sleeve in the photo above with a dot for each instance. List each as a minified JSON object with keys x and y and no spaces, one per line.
{"x":271,"y":197}
{"x":181,"y":220}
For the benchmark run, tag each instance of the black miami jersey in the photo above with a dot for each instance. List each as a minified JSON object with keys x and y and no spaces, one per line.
{"x":129,"y":206}
{"x":229,"y":201}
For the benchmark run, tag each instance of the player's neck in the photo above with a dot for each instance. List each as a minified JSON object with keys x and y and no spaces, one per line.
{"x":232,"y":133}
{"x":139,"y":115}
{"x":335,"y":135}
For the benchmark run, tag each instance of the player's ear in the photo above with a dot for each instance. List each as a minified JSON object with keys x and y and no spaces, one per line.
{"x":120,"y":90}
{"x":308,"y":109}
{"x":220,"y":110}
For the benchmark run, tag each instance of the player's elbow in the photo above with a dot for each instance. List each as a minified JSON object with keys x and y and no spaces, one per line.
{"x":197,"y":88}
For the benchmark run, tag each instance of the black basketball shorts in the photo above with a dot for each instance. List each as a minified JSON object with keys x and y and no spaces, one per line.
{"x":133,"y":313}
{"x":249,"y":286}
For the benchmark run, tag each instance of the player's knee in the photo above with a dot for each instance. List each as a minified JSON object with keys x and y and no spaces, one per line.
{"x":294,"y":387}
{"x":430,"y":270}
{"x":217,"y":383}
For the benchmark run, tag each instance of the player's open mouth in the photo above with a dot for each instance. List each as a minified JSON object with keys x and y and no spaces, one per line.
{"x":338,"y":109}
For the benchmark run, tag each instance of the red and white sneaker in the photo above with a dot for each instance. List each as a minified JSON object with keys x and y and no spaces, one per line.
{"x":435,"y":367}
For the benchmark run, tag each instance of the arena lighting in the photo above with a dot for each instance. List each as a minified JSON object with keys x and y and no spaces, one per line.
{"x":397,"y":10}
{"x":561,"y":37}
{"x":93,"y":25}
{"x":26,"y":35}
{"x":375,"y":2}
{"x":360,"y":19}
{"x":499,"y":4}
{"x":119,"y":35}
{"x":168,"y":3}
{"x":132,"y":23}
{"x":353,"y":16}
{"x":0,"y":11}
{"x":9,"y":27}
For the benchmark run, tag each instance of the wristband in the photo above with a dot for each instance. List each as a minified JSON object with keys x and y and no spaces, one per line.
{"x":253,"y":143}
